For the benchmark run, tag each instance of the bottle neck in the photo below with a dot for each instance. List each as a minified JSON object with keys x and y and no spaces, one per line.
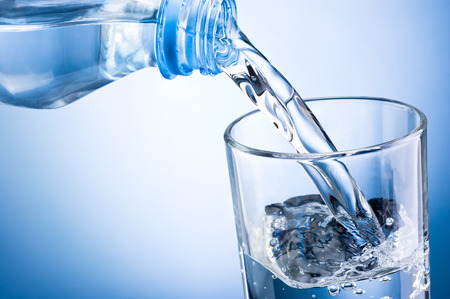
{"x":186,"y":35}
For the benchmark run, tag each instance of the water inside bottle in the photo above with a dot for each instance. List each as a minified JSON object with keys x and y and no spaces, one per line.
{"x":52,"y":67}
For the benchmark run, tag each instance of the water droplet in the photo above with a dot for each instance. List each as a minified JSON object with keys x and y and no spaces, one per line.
{"x":347,"y":286}
{"x":283,"y":289}
{"x":314,"y":296}
{"x":385,"y":279}
{"x":359,"y":292}
{"x":283,"y":269}
{"x":389,"y":221}
{"x":386,"y":297}
{"x":274,"y":276}
{"x":334,"y":290}
{"x":265,"y":288}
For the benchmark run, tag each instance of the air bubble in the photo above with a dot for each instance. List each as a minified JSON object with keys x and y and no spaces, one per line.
{"x":359,"y":292}
{"x":386,"y":297}
{"x":365,"y":258}
{"x":407,"y":269}
{"x":385,"y":279}
{"x":279,"y":224}
{"x":389,"y":221}
{"x":334,"y":290}
{"x":347,"y":286}
{"x":314,"y":296}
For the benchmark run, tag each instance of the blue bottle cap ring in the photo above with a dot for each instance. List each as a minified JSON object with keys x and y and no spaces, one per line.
{"x":166,"y":34}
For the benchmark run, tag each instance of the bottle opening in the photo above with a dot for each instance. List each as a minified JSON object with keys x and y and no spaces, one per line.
{"x":185,"y":35}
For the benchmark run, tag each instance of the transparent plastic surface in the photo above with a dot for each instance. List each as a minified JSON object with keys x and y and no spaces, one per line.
{"x":292,"y":245}
{"x":33,"y":14}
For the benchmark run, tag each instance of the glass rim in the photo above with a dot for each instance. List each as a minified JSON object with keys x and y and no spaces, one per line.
{"x":230,"y":141}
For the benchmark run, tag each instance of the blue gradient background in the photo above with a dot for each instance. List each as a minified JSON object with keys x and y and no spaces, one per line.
{"x":125,"y":193}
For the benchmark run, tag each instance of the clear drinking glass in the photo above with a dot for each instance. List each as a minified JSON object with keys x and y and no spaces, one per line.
{"x":290,"y":244}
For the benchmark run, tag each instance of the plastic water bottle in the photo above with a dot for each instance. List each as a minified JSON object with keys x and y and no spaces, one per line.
{"x":55,"y":52}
